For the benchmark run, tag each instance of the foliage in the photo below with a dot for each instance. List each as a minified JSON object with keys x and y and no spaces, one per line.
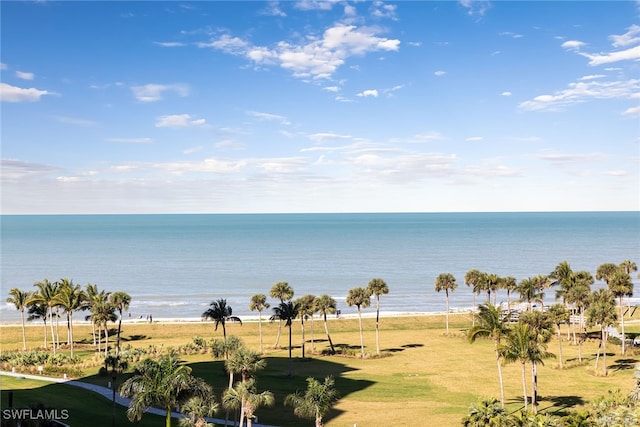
{"x":316,"y":401}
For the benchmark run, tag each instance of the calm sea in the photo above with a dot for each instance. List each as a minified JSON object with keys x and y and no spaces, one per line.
{"x":175,"y":265}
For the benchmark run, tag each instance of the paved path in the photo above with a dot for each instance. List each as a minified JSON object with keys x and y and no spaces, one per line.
{"x":108,"y":393}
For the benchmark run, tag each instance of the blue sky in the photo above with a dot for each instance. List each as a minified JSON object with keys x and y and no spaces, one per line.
{"x":319,"y":106}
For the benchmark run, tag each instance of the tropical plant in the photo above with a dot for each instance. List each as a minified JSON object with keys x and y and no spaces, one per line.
{"x":259,"y":302}
{"x":490,"y":283}
{"x":446,"y":282}
{"x":529,"y":291}
{"x":197,"y":408}
{"x":281,"y":291}
{"x":306,"y":308}
{"x":245,"y":363}
{"x":39,"y":311}
{"x":377,"y":287}
{"x":71,"y":298}
{"x":485,"y":413}
{"x":510,"y":284}
{"x":120,"y":301}
{"x":558,"y":314}
{"x":361,"y":299}
{"x":164,"y":382}
{"x":516,"y":349}
{"x":94,"y":298}
{"x":219,"y":312}
{"x":602,"y":312}
{"x":286,"y":312}
{"x":579,"y":294}
{"x":620,"y":285}
{"x":19,"y":299}
{"x":326,"y":304}
{"x":244,"y":396}
{"x":103,"y":312}
{"x":316,"y":401}
{"x":45,"y":295}
{"x":491,"y":324}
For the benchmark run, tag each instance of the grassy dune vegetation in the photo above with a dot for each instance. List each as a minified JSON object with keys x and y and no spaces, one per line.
{"x":425,"y":377}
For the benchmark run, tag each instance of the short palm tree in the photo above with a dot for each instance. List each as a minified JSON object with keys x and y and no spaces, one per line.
{"x":244,"y":396}
{"x":245,"y":362}
{"x":485,"y":413}
{"x":316,"y":401}
{"x":259,"y":302}
{"x":286,"y":312}
{"x":164,"y":382}
{"x":198,"y":408}
{"x":219,"y":312}
{"x":447,"y":283}
{"x":361,"y":299}
{"x":120,"y":300}
{"x":306,"y":308}
{"x":283,"y":292}
{"x":491,"y":324}
{"x":19,"y":299}
{"x":377,"y":287}
{"x":326,"y":304}
{"x":602,"y":312}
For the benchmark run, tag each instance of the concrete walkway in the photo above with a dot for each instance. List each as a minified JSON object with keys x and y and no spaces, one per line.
{"x":107,"y":393}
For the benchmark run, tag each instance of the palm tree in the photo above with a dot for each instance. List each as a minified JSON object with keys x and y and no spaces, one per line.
{"x":485,"y":413}
{"x":629,"y":266}
{"x":579,"y":294}
{"x":562,"y":276}
{"x":474,"y":278}
{"x":620,"y":285}
{"x":377,"y":287}
{"x":490,"y":324}
{"x":606,"y":270}
{"x":305,"y":310}
{"x":71,"y":298}
{"x":558,"y":315}
{"x":326,"y":304}
{"x":103,"y":312}
{"x":446,"y":282}
{"x":259,"y":302}
{"x":227,"y":348}
{"x":361,"y":299}
{"x":316,"y":401}
{"x":282,"y":291}
{"x":244,"y":396}
{"x":219,"y":312}
{"x":197,"y":408}
{"x":45,"y":295}
{"x":529,"y":291}
{"x":19,"y":299}
{"x":39,"y":311}
{"x":163,"y":382}
{"x":94,"y":298}
{"x":286,"y":311}
{"x":245,"y":362}
{"x":602,"y":312}
{"x":516,"y":349}
{"x":542,"y":282}
{"x":509,"y":284}
{"x":120,"y":301}
{"x":490,"y":283}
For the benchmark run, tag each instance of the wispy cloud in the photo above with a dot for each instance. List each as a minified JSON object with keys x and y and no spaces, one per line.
{"x":25,"y":75}
{"x":178,"y":121}
{"x":269,"y":117}
{"x":369,"y":92}
{"x":169,"y":44}
{"x":631,"y":37}
{"x":76,"y":121}
{"x":131,"y":140}
{"x":10,"y":93}
{"x":153,"y":92}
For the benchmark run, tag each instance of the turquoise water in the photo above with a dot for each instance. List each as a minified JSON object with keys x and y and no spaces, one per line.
{"x":175,"y":265}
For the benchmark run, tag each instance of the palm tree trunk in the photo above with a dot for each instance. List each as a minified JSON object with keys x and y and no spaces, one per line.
{"x":106,"y":340}
{"x":260,"y":328}
{"x":24,"y":335}
{"x":167,"y":418}
{"x":534,"y":390}
{"x":622,"y":325}
{"x":604,"y":352}
{"x":93,"y":331}
{"x":326,"y":329}
{"x":71,"y":332}
{"x":447,"y":314}
{"x":524,"y":386}
{"x":560,"y":345}
{"x":278,"y":335}
{"x":312,"y":340}
{"x":302,"y":328}
{"x":361,"y":336}
{"x":319,"y":421}
{"x":118,"y":339}
{"x":53,"y":337}
{"x":495,"y":342}
{"x":44,"y":325}
{"x":290,"y":348}
{"x":57,"y":327}
{"x":377,"y":323}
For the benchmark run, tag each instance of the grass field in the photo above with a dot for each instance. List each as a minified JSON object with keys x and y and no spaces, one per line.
{"x":426,"y":375}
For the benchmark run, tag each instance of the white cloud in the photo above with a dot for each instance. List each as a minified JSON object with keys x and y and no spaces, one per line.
{"x":273,"y":9}
{"x":617,"y":173}
{"x":25,"y":75}
{"x":10,"y":93}
{"x":381,"y":10}
{"x":331,"y":88}
{"x":153,"y":92}
{"x":632,"y":111}
{"x":511,"y":34}
{"x":439,"y":73}
{"x":209,"y":165}
{"x":319,"y":58}
{"x":592,"y":76}
{"x":623,"y":55}
{"x":572,"y":158}
{"x":323,"y":136}
{"x":369,"y":92}
{"x":474,"y":138}
{"x":580,"y":92}
{"x":573,"y":45}
{"x":11,"y":169}
{"x":76,"y":121}
{"x":169,"y":44}
{"x":178,"y":121}
{"x":314,"y":4}
{"x":269,"y":117}
{"x":3,"y":66}
{"x":476,"y":7}
{"x":630,"y":37}
{"x":506,"y":93}
{"x":131,"y":140}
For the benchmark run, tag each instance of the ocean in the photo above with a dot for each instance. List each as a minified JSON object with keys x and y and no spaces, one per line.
{"x":173,"y":266}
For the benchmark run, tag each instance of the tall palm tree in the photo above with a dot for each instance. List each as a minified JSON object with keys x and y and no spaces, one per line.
{"x":579,"y":294}
{"x":259,"y":302}
{"x":103,"y":312}
{"x":94,"y":297}
{"x":283,"y":292}
{"x":326,"y":304}
{"x":509,"y":284}
{"x":620,"y":285}
{"x":39,"y":311}
{"x":516,"y":349}
{"x":219,"y":312}
{"x":71,"y":298}
{"x":490,"y":324}
{"x":361,"y":299}
{"x":163,"y":382}
{"x":473,"y":278}
{"x":602,"y":311}
{"x":316,"y":401}
{"x":446,"y":282}
{"x":491,"y":283}
{"x":305,"y":310}
{"x":558,"y":314}
{"x":286,"y":312}
{"x":19,"y":299}
{"x":377,"y":287}
{"x":45,"y":295}
{"x":542,"y":282}
{"x":120,"y":300}
{"x":606,"y":270}
{"x":529,"y":291}
{"x":245,"y":363}
{"x":244,"y":396}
